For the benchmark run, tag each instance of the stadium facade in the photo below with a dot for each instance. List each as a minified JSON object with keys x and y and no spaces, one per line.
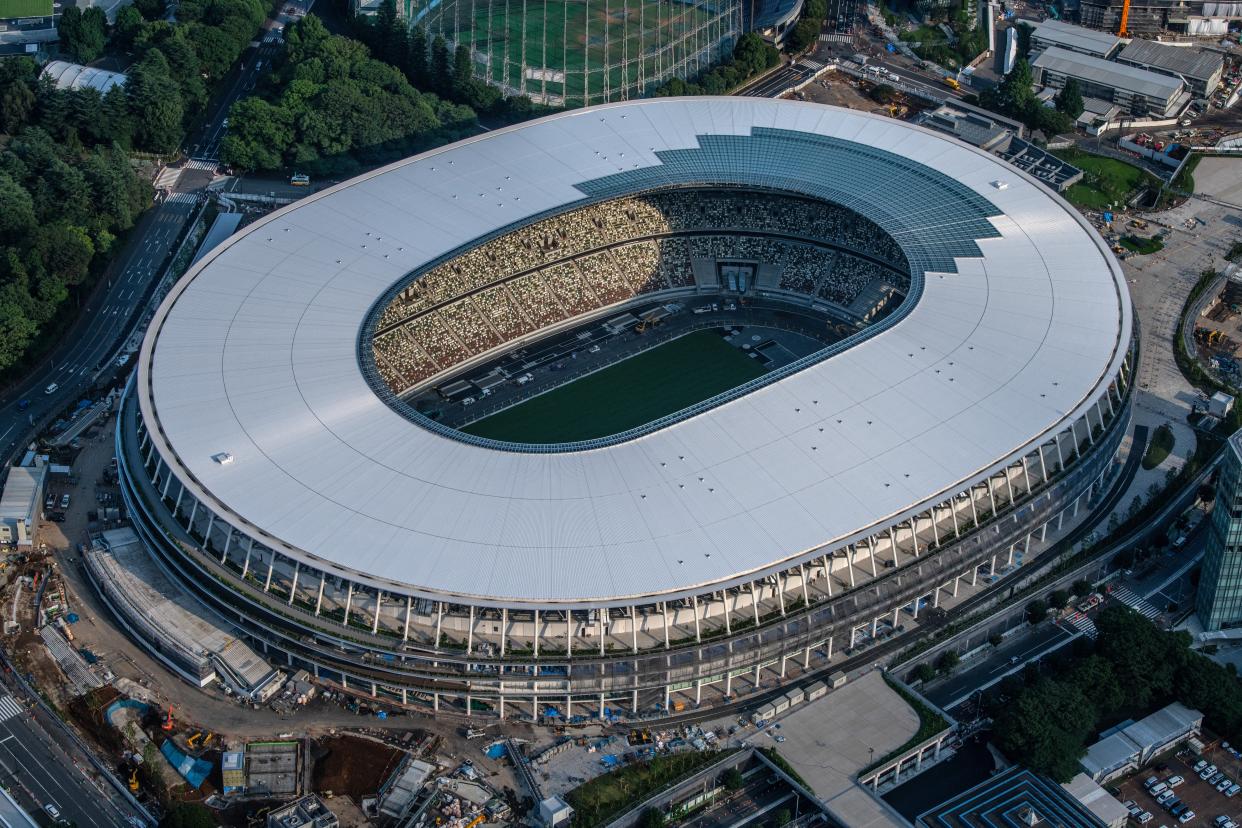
{"x":269,"y":461}
{"x":583,"y":52}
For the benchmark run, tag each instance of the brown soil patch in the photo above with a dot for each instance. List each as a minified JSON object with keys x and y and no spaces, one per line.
{"x":349,"y":766}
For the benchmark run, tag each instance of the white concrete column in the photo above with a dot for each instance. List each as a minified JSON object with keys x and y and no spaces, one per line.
{"x":537,"y":631}
{"x":228,"y":541}
{"x":504,"y":628}
{"x":323,"y":577}
{"x":828,"y":574}
{"x":724,"y":602}
{"x":806,"y":595}
{"x":694,"y":606}
{"x":664,"y":616}
{"x":469,"y":632}
{"x":409,"y":609}
{"x":293,"y":587}
{"x":439,"y":622}
{"x":379,"y":604}
{"x":271,"y":565}
{"x":249,"y":552}
{"x":634,"y":626}
{"x":754,"y":601}
{"x":349,"y":600}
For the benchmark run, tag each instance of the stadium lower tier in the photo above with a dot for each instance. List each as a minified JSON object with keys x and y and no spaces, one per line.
{"x":648,"y":656}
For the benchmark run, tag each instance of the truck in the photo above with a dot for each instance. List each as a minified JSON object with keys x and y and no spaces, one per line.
{"x":951,"y":82}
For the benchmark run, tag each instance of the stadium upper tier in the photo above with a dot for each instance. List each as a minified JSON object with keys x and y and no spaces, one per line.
{"x":257,"y":397}
{"x":613,"y":252}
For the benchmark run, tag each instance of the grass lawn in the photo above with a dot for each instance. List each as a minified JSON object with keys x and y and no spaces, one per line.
{"x":604,"y":797}
{"x":1138,"y":244}
{"x":1105,"y":181}
{"x":1159,"y":448}
{"x":635,"y":391}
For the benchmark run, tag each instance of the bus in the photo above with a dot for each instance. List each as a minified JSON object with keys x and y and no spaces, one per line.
{"x":300,"y":180}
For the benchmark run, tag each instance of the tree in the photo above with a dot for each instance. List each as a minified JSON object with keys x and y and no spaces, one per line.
{"x":1036,"y":611}
{"x":441,"y":72}
{"x":416,"y":58}
{"x":732,"y":780}
{"x":804,"y":34}
{"x":784,"y":816}
{"x":1069,"y":99}
{"x":995,"y":639}
{"x":948,"y":661}
{"x":1047,"y":726}
{"x":924,"y":672}
{"x":156,"y":103}
{"x":83,"y":34}
{"x":17,"y":215}
{"x":652,"y":818}
{"x":1082,"y":588}
{"x":1058,"y":598}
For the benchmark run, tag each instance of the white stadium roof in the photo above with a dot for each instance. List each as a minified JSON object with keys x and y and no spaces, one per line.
{"x":255,"y":353}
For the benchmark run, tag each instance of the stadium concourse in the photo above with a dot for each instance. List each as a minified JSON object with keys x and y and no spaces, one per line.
{"x":974,"y":391}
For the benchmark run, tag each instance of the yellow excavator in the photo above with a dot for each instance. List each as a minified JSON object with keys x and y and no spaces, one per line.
{"x":133,"y":781}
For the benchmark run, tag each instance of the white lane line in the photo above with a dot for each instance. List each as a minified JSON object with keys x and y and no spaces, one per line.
{"x":68,"y":794}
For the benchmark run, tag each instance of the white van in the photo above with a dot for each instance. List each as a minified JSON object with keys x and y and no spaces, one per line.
{"x":51,"y":389}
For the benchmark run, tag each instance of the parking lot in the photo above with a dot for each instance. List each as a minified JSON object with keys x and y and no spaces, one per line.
{"x":1204,"y":799}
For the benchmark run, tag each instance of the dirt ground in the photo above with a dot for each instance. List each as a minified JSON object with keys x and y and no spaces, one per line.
{"x":352,"y":766}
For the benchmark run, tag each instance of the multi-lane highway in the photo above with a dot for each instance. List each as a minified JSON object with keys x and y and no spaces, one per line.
{"x":40,"y":773}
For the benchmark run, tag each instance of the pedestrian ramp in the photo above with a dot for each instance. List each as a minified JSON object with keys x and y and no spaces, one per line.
{"x":1140,"y":605}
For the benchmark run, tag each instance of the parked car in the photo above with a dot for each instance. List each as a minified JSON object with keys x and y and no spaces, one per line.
{"x":1144,"y":818}
{"x":1208,"y":771}
{"x":64,"y":501}
{"x":1174,"y":781}
{"x":1200,"y":765}
{"x":1233,"y":789}
{"x":1186,"y":816}
{"x":1164,"y":798}
{"x":1158,"y":789}
{"x":1150,"y":782}
{"x":1224,"y":784}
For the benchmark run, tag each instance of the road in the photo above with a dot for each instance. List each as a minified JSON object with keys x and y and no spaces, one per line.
{"x":1008,"y":658}
{"x":204,"y":144}
{"x":40,"y":772}
{"x":110,"y":314}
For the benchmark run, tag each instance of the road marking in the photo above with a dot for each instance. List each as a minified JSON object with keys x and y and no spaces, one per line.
{"x":6,"y":434}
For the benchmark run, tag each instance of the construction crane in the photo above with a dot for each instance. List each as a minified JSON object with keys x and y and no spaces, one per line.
{"x":1125,"y":19}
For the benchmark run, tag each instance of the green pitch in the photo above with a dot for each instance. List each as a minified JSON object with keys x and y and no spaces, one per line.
{"x":578,"y":43}
{"x":635,"y":391}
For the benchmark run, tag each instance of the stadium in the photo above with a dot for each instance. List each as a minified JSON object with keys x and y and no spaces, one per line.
{"x":840,"y":372}
{"x":582,"y":52}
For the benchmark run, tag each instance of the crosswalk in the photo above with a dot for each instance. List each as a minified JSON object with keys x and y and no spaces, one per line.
{"x":813,"y":65}
{"x":1083,"y":624}
{"x":182,"y":198}
{"x":835,"y":38}
{"x":1140,"y":605}
{"x":9,"y":708}
{"x":208,"y":164}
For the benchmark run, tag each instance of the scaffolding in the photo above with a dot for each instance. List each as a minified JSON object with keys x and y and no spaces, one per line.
{"x":582,"y":52}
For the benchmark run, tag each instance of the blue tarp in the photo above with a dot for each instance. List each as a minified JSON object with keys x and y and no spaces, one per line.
{"x":194,"y":770}
{"x":496,"y":750}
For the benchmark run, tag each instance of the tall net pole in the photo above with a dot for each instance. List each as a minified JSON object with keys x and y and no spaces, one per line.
{"x":523,"y":77}
{"x":586,"y":55}
{"x":543,"y":72}
{"x":607,"y":43}
{"x":505,"y":51}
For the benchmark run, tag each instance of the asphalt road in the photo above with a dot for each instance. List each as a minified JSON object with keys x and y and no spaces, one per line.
{"x":205,"y":143}
{"x":42,"y":773}
{"x":110,"y":314}
{"x":1010,"y":657}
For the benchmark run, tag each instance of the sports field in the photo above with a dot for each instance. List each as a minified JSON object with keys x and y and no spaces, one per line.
{"x":635,"y":391}
{"x":575,"y":48}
